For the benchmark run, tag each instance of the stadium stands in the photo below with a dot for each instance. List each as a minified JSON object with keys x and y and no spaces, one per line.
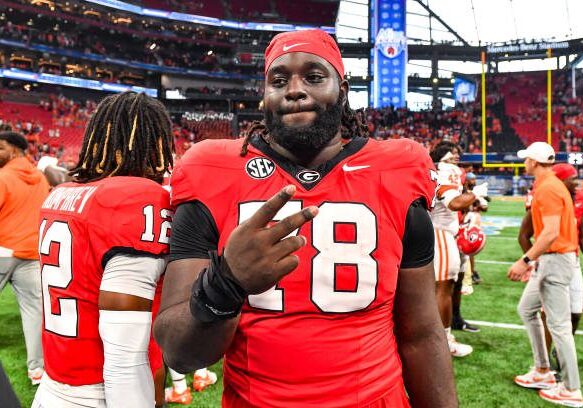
{"x":54,"y":127}
{"x":56,"y":124}
{"x":310,"y":12}
{"x":516,"y":103}
{"x":299,"y":11}
{"x":202,"y":8}
{"x":520,"y":101}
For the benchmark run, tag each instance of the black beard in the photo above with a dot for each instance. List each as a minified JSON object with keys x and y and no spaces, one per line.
{"x":305,"y":142}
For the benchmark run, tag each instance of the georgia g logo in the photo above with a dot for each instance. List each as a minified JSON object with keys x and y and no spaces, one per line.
{"x":391,"y":43}
{"x":259,"y":168}
{"x":308,"y":176}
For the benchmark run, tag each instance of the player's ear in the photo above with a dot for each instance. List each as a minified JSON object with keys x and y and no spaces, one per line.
{"x":344,"y":88}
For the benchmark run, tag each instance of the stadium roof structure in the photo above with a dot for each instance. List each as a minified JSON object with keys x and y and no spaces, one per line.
{"x":484,"y":22}
{"x":446,"y":38}
{"x":514,"y":33}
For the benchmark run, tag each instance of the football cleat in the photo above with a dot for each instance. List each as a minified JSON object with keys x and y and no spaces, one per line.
{"x":458,"y":349}
{"x":534,"y":379}
{"x":562,"y":396}
{"x":184,"y":397}
{"x":36,"y":375}
{"x":202,"y":379}
{"x":476,"y":279}
{"x":461,"y":324}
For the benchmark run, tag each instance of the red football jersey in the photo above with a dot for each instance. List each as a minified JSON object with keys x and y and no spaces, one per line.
{"x":324,"y":335}
{"x":82,"y":227}
{"x":578,"y":207}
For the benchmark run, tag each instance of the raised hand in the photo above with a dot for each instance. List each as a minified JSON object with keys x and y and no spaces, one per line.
{"x":481,"y":190}
{"x":259,"y":255}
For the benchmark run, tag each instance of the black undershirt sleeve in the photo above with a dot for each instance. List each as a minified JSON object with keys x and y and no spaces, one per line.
{"x":418,"y":239}
{"x":194,"y":232}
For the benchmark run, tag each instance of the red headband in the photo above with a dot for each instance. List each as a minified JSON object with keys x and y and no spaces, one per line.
{"x":315,"y":42}
{"x":564,"y":171}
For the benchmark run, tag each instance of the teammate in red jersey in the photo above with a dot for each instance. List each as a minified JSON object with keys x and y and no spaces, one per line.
{"x":103,"y":242}
{"x":304,"y":260}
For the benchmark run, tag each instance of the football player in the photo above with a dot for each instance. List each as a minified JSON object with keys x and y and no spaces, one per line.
{"x":103,"y":242}
{"x":469,"y":218}
{"x":304,"y":260}
{"x":474,"y":213}
{"x":450,"y":199}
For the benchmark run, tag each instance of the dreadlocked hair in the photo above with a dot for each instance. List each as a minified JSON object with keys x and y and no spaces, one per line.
{"x":353,"y":123}
{"x":130,"y":134}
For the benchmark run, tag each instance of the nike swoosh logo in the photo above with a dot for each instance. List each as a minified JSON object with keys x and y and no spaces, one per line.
{"x":289,"y":47}
{"x":346,"y":167}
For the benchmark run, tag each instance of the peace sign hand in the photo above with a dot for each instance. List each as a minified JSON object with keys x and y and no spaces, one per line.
{"x":259,"y":256}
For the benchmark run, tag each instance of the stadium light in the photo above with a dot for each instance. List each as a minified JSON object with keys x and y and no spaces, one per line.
{"x":153,"y":46}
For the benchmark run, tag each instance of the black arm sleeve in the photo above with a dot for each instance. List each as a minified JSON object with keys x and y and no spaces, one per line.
{"x":194,"y":232}
{"x":418,"y":239}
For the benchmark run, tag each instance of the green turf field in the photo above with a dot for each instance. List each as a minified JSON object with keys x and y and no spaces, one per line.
{"x":484,"y":379}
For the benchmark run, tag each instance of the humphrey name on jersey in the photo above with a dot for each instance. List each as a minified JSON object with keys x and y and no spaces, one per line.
{"x":72,"y":199}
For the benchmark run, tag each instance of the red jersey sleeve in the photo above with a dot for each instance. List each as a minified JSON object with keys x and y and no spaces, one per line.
{"x":132,"y":217}
{"x":193,"y":177}
{"x":205,"y":174}
{"x":420,"y":177}
{"x":579,"y":207}
{"x":411,"y":177}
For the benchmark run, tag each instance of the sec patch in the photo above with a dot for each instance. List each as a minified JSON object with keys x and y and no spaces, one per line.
{"x":260,"y":168}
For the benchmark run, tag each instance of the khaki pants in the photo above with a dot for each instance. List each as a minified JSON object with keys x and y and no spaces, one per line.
{"x":548,"y":287}
{"x":24,"y":276}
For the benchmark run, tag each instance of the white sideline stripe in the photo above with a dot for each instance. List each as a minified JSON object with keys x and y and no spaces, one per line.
{"x":507,"y":326}
{"x":494,"y":262}
{"x":501,"y":237}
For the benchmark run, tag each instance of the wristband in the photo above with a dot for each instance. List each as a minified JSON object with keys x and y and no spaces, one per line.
{"x":526,"y":259}
{"x":216,"y":295}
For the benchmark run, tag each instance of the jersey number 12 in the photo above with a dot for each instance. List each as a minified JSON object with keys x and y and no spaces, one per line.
{"x":60,"y":275}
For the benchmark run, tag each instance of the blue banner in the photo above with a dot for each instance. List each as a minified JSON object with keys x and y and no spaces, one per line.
{"x":14,"y":73}
{"x":388,"y":60}
{"x":505,"y":158}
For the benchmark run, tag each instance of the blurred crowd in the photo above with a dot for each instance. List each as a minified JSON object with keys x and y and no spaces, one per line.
{"x":175,"y":45}
{"x":523,"y":97}
{"x":461,"y":125}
